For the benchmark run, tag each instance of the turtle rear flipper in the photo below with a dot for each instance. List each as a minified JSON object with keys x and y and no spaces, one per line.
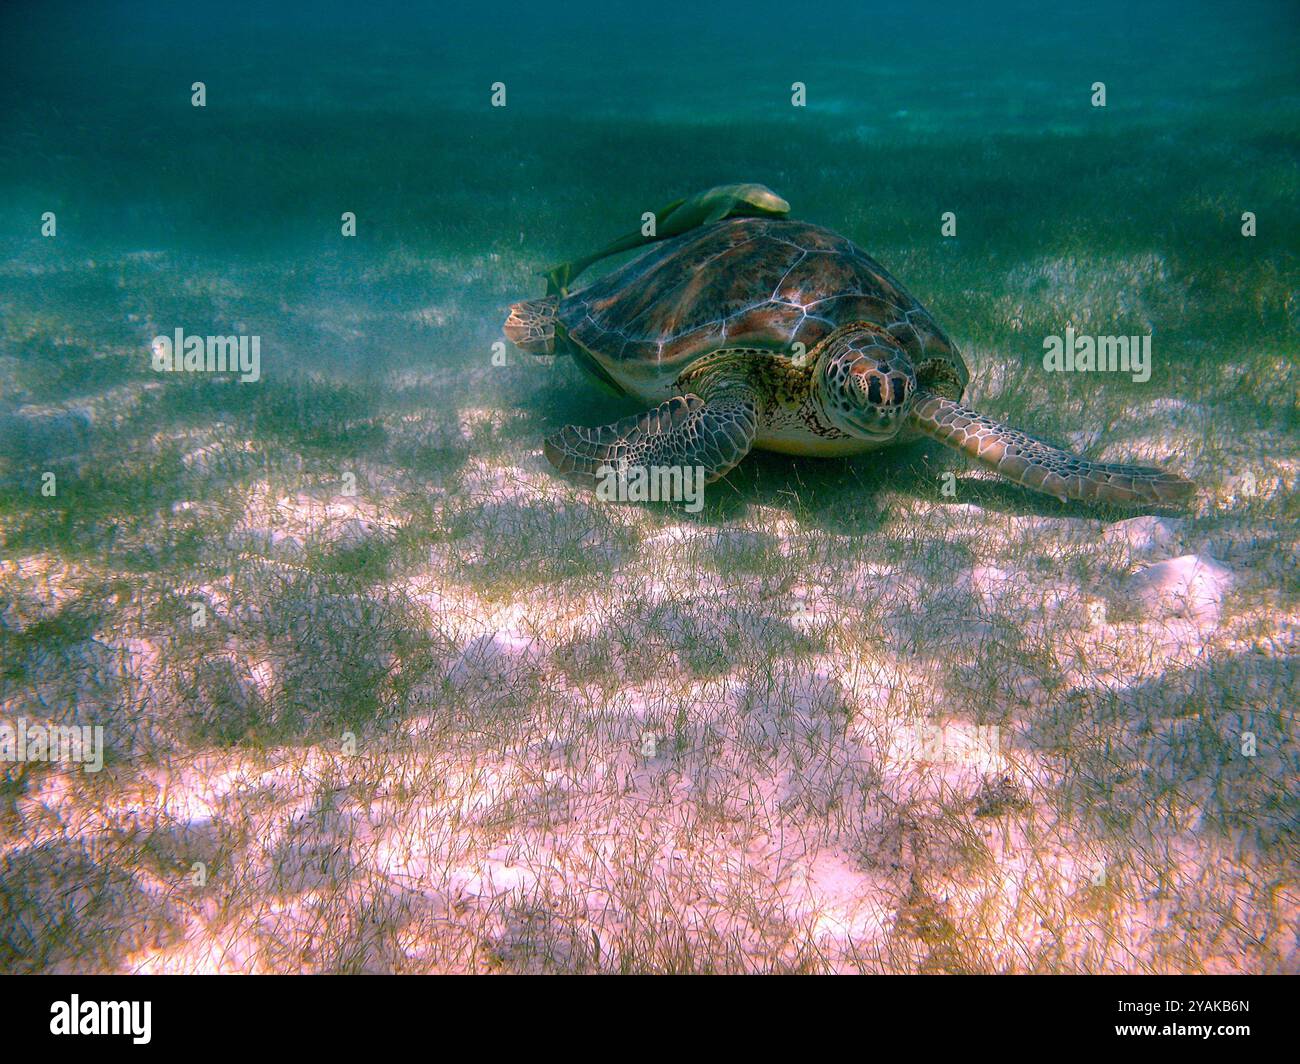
{"x":686,"y":432}
{"x":530,"y":326}
{"x":1038,"y":465}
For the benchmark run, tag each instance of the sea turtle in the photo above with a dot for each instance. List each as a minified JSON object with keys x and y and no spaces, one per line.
{"x":773,"y":333}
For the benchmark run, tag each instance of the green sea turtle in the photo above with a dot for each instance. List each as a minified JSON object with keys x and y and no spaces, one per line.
{"x":680,"y":216}
{"x":772,"y":333}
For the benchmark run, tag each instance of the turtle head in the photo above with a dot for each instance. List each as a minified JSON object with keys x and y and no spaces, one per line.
{"x":863,"y":382}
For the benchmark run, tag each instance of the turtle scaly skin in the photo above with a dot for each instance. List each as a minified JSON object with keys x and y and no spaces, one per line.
{"x":1029,"y":461}
{"x":765,"y":332}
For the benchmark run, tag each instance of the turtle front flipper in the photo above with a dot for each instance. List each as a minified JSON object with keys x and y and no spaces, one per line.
{"x":1038,"y":465}
{"x":684,"y":433}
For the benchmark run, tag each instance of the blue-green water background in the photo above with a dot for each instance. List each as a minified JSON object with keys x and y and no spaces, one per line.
{"x":227,"y":217}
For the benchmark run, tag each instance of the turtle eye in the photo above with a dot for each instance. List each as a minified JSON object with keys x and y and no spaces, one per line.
{"x":873,"y":389}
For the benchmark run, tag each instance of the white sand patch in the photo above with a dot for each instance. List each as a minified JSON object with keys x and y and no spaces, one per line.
{"x":37,"y":585}
{"x":1144,"y":535}
{"x":496,"y":658}
{"x":939,"y":759}
{"x":285,"y":525}
{"x":1191,"y":587}
{"x":490,"y":879}
{"x":845,"y":902}
{"x":229,"y":456}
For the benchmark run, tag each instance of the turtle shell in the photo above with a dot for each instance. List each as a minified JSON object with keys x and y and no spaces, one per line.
{"x":766,"y":283}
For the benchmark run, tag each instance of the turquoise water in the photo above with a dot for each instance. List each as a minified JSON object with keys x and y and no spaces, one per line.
{"x":226,"y":219}
{"x":314,"y":109}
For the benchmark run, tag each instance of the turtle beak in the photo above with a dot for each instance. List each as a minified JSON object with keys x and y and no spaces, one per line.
{"x":877,"y":428}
